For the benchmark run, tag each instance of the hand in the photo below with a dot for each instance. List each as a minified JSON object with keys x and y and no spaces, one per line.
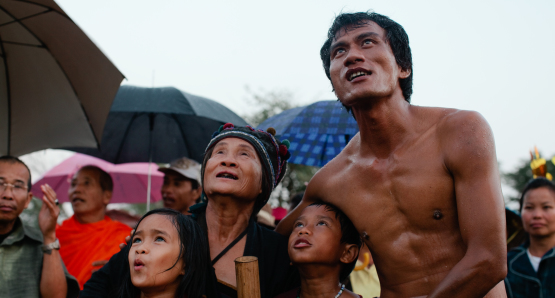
{"x":97,"y":264}
{"x":48,"y":214}
{"x":127,"y":239}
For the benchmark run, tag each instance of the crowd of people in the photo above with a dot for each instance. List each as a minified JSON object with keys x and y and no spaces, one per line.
{"x":418,"y":188}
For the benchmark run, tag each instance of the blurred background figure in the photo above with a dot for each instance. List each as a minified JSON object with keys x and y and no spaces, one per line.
{"x":364,"y":279}
{"x":531,"y":266}
{"x":182,"y":186}
{"x":89,"y":238}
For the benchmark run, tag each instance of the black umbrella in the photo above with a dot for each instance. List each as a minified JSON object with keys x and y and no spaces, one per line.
{"x":159,"y":125}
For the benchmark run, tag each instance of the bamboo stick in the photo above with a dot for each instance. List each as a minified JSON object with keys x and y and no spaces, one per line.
{"x":248,"y":282}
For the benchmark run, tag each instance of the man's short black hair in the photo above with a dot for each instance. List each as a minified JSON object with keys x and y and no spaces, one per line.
{"x":104,"y":179}
{"x":534,"y":184}
{"x":349,"y":234}
{"x":396,"y":37}
{"x":12,"y":160}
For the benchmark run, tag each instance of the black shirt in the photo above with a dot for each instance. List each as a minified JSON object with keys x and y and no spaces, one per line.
{"x":276,"y":274}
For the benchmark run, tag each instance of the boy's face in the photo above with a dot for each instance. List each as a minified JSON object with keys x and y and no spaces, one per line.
{"x":316,"y":237}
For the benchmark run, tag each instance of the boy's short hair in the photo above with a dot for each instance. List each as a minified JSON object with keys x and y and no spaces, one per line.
{"x":349,"y":234}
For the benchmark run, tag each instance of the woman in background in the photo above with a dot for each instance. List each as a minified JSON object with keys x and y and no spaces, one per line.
{"x":531,"y":266}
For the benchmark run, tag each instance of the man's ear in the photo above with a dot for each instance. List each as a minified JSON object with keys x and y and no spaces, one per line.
{"x":29,"y":198}
{"x":350,"y":253}
{"x":405,"y":73}
{"x":106,"y":197}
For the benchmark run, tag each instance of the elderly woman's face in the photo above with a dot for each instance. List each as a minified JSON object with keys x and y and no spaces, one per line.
{"x":233,"y":169}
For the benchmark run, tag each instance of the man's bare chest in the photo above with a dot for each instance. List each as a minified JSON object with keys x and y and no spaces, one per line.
{"x":415,"y":191}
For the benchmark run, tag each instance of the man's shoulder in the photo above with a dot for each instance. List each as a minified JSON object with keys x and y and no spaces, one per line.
{"x":445,"y":118}
{"x":451,"y":120}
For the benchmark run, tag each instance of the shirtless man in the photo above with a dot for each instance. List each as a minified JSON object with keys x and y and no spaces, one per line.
{"x":420,"y":184}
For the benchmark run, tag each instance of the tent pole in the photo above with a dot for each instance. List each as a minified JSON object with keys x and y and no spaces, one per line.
{"x":151,"y":126}
{"x":148,"y":186}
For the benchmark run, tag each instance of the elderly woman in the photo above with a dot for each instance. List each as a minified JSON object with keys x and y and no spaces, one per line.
{"x":241,"y":167}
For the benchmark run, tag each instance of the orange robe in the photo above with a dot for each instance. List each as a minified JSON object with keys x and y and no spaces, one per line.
{"x":82,"y":244}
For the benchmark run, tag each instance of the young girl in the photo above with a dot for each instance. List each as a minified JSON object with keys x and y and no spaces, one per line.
{"x":168,"y":257}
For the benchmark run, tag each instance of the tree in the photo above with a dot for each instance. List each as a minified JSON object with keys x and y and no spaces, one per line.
{"x":270,"y":103}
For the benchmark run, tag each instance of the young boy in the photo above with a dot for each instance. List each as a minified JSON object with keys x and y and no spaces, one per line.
{"x":324,"y":246}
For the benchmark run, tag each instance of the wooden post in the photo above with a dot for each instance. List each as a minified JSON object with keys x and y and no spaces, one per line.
{"x":248,"y":281}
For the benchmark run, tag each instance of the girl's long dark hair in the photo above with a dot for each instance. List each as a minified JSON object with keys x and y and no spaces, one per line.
{"x":193,"y":251}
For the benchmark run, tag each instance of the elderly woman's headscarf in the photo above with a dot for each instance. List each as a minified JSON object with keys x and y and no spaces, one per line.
{"x":273,"y":155}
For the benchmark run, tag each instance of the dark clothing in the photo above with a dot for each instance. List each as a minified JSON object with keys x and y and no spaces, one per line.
{"x":294,"y":294}
{"x":276,"y":275}
{"x":523,"y":282}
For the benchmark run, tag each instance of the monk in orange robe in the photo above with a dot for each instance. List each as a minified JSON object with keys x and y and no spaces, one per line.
{"x":89,"y":236}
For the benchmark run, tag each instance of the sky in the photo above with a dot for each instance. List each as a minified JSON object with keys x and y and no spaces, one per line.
{"x":494,"y":57}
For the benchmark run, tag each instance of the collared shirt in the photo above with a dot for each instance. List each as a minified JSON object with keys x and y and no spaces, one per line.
{"x":21,"y":264}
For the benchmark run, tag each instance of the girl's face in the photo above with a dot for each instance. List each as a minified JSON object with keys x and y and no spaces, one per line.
{"x":155,"y":248}
{"x":538,"y":212}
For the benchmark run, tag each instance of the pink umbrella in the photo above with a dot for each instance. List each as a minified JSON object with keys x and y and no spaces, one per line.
{"x":130,"y":179}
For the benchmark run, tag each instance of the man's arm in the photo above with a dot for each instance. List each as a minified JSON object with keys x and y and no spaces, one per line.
{"x":53,"y":280}
{"x":469,"y":154}
{"x":285,"y":226}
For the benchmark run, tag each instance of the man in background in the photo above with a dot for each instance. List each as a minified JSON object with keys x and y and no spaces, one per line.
{"x":89,"y":238}
{"x":182,"y":185}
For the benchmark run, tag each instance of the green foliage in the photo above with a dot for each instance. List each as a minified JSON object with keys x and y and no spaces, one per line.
{"x":270,"y":103}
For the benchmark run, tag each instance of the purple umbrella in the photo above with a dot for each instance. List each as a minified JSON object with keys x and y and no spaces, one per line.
{"x":130,"y":179}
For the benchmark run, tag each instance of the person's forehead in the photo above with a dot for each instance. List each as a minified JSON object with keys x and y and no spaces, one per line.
{"x":234,"y":142}
{"x":159,"y":222}
{"x":13,"y":171}
{"x":541,"y":193}
{"x":318,"y":211}
{"x":356,"y":29}
{"x":87,"y":174}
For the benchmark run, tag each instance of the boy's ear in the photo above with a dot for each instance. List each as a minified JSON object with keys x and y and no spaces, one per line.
{"x":350,"y":253}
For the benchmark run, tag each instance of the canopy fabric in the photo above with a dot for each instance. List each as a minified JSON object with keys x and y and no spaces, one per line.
{"x":130,"y":180}
{"x":159,"y":125}
{"x":317,"y":132}
{"x":56,"y":86}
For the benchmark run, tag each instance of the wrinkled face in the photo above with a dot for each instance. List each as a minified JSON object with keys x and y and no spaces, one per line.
{"x":362,"y":65}
{"x":85,"y":193}
{"x":178,"y":192}
{"x":155,"y":249}
{"x":233,"y":169}
{"x":316,"y":237}
{"x":538,"y":212}
{"x":15,"y":198}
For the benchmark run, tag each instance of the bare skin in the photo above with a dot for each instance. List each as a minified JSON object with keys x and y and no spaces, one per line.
{"x":230,"y":201}
{"x":420,"y":184}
